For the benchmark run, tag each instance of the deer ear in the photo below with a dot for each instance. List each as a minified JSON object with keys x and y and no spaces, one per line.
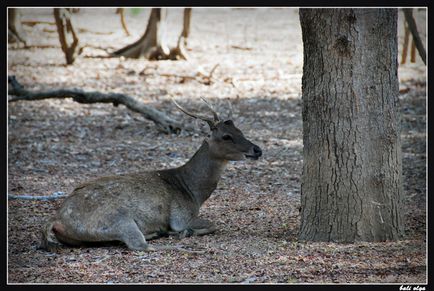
{"x":229,"y":122}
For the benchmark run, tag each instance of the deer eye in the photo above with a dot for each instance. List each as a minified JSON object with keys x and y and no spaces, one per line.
{"x":227,"y":137}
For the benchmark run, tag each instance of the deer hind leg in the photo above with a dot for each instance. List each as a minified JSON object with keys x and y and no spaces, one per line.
{"x":52,"y":234}
{"x":62,"y":235}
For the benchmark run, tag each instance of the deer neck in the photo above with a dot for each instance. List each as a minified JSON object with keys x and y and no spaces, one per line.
{"x":201,"y":173}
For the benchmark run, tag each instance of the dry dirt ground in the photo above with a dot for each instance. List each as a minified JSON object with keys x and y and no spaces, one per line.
{"x":53,"y":145}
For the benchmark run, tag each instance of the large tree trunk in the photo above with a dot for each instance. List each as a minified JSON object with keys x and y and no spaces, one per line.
{"x":15,"y":29}
{"x":150,"y":45}
{"x":352,"y":172}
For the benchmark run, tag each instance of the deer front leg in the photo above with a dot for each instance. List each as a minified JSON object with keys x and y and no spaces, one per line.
{"x":201,"y":226}
{"x":198,"y":226}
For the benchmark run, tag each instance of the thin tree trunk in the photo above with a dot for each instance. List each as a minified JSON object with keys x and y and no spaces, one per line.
{"x":413,"y":51}
{"x":186,"y":26}
{"x":405,"y":45}
{"x":179,"y":52}
{"x":15,"y":30}
{"x":121,"y":12}
{"x":352,"y":172}
{"x":64,"y":28}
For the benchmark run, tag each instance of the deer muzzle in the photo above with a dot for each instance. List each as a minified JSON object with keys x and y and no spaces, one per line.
{"x":255,"y":153}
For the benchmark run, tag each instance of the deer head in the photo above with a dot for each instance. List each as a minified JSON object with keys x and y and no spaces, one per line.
{"x":226,"y":141}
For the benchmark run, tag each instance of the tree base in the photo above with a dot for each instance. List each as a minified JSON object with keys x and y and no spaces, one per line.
{"x":154,"y":53}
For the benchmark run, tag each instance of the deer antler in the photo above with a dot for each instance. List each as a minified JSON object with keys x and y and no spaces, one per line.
{"x":210,"y":121}
{"x":216,"y":117}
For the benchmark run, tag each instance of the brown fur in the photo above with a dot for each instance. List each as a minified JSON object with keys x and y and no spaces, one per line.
{"x":135,"y":207}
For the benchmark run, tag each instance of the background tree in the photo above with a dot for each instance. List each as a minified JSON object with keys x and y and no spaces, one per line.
{"x":151,"y":45}
{"x":121,"y":12}
{"x":67,"y":36}
{"x":15,"y":29}
{"x":185,"y":27}
{"x":351,"y":181}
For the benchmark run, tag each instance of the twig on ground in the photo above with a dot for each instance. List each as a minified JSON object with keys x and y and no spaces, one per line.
{"x":54,"y":196}
{"x":241,"y":48}
{"x":35,"y":22}
{"x":200,"y":76}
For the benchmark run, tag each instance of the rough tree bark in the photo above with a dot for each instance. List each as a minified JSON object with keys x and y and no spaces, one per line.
{"x":15,"y":29}
{"x":64,"y":27}
{"x":151,"y":45}
{"x":164,"y":123}
{"x":352,"y":172}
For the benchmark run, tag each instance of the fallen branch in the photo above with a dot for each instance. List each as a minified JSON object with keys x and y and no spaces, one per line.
{"x":163,"y":122}
{"x":54,"y":196}
{"x":200,"y":76}
{"x":241,"y":48}
{"x":35,"y":22}
{"x":82,"y":30}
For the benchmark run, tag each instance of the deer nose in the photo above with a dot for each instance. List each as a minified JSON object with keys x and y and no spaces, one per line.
{"x":257,"y":150}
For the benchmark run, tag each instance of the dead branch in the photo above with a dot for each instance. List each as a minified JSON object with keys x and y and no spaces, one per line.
{"x":163,"y":122}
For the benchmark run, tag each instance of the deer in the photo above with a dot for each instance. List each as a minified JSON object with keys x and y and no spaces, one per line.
{"x":136,"y":207}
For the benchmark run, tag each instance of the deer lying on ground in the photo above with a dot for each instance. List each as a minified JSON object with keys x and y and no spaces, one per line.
{"x":133,"y":208}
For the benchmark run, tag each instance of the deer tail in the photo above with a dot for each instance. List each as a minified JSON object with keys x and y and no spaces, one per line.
{"x":48,"y":240}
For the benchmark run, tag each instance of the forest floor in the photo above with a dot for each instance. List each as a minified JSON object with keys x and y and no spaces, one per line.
{"x":53,"y":145}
